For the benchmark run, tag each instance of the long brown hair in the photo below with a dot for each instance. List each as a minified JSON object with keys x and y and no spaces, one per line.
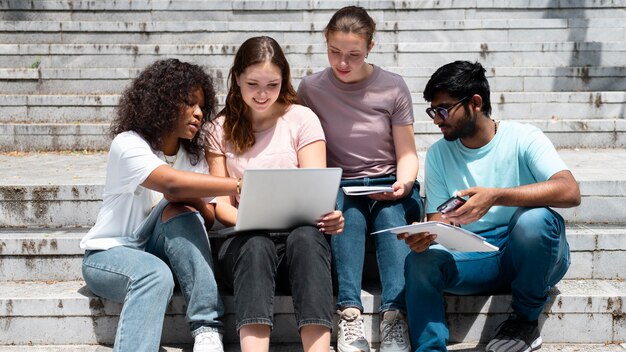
{"x":256,"y":50}
{"x":352,"y":19}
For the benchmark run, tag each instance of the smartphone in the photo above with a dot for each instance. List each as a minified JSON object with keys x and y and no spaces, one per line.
{"x":451,"y":204}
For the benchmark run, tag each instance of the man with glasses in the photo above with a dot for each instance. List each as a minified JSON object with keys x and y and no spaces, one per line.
{"x":510,"y":175}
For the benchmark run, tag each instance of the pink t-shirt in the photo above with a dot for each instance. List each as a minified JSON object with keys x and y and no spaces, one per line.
{"x":357,"y":119}
{"x":275,"y":148}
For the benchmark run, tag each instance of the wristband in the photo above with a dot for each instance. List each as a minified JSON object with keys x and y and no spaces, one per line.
{"x":239,"y":185}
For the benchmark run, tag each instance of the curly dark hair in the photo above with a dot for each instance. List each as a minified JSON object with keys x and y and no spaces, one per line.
{"x":153,"y":102}
{"x":237,"y":128}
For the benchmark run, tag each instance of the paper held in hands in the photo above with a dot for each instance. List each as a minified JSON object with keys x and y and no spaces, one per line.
{"x":452,"y":237}
{"x":363,"y":190}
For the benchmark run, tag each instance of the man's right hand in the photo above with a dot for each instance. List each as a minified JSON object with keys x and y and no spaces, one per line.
{"x":418,"y":242}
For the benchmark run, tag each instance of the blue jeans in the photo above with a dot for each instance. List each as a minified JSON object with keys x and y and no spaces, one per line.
{"x":255,"y":265}
{"x":533,"y":257}
{"x":143,"y":280}
{"x":363,"y":216}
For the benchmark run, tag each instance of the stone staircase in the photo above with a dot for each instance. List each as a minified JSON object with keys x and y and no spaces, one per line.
{"x":557,"y":64}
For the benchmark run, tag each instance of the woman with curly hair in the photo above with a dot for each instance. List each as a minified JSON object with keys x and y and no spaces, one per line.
{"x":262,"y":126}
{"x":141,"y":243}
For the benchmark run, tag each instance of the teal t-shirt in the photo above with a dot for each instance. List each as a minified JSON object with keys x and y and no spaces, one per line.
{"x":519,"y":154}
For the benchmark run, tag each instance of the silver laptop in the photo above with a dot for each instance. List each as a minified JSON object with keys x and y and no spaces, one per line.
{"x":281,"y":199}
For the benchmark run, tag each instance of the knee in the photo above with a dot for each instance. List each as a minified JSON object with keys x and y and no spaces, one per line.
{"x":257,"y":249}
{"x":424,"y":267}
{"x":530,"y":226}
{"x":175,"y":209}
{"x":306,"y":238}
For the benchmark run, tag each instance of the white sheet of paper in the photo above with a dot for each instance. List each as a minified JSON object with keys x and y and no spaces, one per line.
{"x":452,"y":237}
{"x":363,"y":190}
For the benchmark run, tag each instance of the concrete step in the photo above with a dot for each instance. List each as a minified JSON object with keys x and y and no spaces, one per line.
{"x":287,"y":5}
{"x":392,"y":52}
{"x":284,"y":11}
{"x":547,"y":106}
{"x":64,"y":189}
{"x":580,"y":311}
{"x":598,"y":252}
{"x":24,"y":137}
{"x":112,"y":80}
{"x":54,"y":137}
{"x":302,"y":31}
{"x":234,"y":347}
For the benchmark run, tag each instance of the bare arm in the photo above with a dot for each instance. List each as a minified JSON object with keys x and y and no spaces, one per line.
{"x":312,"y":155}
{"x":225,"y":211}
{"x":407,"y":163}
{"x":560,"y":191}
{"x":186,"y":184}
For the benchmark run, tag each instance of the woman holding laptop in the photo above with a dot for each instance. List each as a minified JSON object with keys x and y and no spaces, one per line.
{"x":262,"y":126}
{"x":367,"y":116}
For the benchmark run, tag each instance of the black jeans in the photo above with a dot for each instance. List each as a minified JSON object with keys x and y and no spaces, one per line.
{"x":254,"y":265}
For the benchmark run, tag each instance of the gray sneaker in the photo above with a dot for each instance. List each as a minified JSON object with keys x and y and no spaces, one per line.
{"x":394,"y":333}
{"x":351,"y":332}
{"x":516,"y":335}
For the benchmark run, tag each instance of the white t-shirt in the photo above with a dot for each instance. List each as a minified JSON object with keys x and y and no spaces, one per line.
{"x":126,"y":204}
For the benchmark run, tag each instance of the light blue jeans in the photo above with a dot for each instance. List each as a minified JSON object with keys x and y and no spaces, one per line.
{"x":144,"y":280}
{"x":363,"y":216}
{"x":533,"y":257}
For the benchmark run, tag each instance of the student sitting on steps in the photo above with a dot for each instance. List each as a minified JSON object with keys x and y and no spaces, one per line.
{"x":367,"y":116}
{"x":141,"y":243}
{"x":262,"y":126}
{"x":510,"y":175}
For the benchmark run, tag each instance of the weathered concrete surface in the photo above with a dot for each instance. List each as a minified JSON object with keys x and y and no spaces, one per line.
{"x":580,"y":311}
{"x":64,"y":189}
{"x":546,"y":347}
{"x":598,"y":252}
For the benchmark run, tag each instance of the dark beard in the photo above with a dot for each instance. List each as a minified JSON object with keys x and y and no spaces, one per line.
{"x":467,"y":130}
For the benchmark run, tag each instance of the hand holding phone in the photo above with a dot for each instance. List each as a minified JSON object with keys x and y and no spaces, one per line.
{"x":451,"y":204}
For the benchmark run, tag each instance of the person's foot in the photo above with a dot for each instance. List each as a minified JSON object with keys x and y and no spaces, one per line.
{"x":516,"y":335}
{"x":210,"y":341}
{"x":394,"y":333}
{"x":351,"y":334}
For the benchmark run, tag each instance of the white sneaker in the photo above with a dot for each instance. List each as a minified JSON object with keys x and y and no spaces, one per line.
{"x":351,"y":334}
{"x":210,"y":341}
{"x":394,"y":333}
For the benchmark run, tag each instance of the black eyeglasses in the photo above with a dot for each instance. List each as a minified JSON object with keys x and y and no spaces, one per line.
{"x":441,"y":111}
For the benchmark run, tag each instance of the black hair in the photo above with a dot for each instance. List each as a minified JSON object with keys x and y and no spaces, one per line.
{"x":153,"y":102}
{"x":460,"y":79}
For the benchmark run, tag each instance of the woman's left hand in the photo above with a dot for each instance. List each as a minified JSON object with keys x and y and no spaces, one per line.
{"x":331,"y":223}
{"x":400,"y":190}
